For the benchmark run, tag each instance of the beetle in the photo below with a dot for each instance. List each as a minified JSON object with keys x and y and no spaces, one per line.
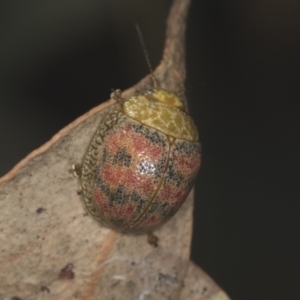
{"x":142,"y":161}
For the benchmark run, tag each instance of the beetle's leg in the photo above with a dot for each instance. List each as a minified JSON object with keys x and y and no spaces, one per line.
{"x":152,"y":239}
{"x":76,"y":170}
{"x":116,"y":95}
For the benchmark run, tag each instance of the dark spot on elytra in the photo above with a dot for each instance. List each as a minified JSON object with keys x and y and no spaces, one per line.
{"x":122,"y":157}
{"x":151,"y":135}
{"x":138,"y":200}
{"x":187,"y":147}
{"x":119,"y":197}
{"x":161,"y":208}
{"x":98,"y":183}
{"x":105,"y":157}
{"x":154,"y":207}
{"x":172,"y":175}
{"x":15,"y":298}
{"x":104,"y":188}
{"x":159,"y":168}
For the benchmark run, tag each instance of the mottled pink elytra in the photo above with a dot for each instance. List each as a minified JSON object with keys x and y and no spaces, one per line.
{"x":142,"y":162}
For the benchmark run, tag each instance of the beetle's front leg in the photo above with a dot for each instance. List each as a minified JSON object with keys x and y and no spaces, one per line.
{"x":76,"y":171}
{"x":117,"y":95}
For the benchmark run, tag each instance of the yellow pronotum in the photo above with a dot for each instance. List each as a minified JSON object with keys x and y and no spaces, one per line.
{"x":163,"y":111}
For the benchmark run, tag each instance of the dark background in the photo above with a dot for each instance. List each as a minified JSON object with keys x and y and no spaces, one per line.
{"x":58,"y":59}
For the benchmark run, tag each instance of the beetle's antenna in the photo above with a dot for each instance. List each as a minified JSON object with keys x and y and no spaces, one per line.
{"x":146,"y":53}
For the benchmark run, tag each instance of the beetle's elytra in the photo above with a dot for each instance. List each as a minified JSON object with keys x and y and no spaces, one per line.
{"x":141,"y":163}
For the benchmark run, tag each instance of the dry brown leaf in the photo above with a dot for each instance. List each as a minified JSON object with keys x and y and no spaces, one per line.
{"x":199,"y":286}
{"x":50,"y":248}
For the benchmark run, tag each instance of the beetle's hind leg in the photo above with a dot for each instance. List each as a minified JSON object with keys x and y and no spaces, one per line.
{"x":152,"y":239}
